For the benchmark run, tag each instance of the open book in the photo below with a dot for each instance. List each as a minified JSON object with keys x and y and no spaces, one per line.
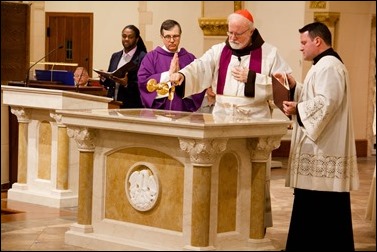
{"x":280,"y":92}
{"x":120,"y":72}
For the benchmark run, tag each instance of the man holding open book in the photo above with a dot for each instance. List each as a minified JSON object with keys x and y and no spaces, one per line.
{"x":124,"y":87}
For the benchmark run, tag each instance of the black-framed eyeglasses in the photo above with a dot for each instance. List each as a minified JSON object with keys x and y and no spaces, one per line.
{"x":169,"y":37}
{"x":236,"y":35}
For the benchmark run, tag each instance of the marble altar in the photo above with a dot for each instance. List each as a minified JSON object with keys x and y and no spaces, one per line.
{"x":163,"y":180}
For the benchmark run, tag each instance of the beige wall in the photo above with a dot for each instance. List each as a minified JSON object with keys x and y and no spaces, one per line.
{"x":110,"y":17}
{"x":278,"y":23}
{"x":355,"y":46}
{"x":355,"y":42}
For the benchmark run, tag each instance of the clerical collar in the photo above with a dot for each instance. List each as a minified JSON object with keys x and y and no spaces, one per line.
{"x":166,"y":49}
{"x":328,"y":52}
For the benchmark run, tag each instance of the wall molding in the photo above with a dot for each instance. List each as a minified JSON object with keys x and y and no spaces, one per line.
{"x":216,"y":26}
{"x":317,"y":5}
{"x":213,"y":26}
{"x":330,"y":19}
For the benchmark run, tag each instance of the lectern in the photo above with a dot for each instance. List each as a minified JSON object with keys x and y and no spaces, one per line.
{"x":47,"y":159}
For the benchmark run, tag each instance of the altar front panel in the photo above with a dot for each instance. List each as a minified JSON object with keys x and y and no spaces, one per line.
{"x":116,"y":223}
{"x":168,"y":210}
{"x":171,"y":180}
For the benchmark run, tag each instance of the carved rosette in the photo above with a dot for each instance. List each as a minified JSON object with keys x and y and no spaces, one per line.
{"x":83,"y":136}
{"x":213,"y":26}
{"x":260,"y":148}
{"x":203,"y":152}
{"x":142,"y":187}
{"x":23,"y":114}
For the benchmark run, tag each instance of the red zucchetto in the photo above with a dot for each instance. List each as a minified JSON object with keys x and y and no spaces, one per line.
{"x":246,"y":14}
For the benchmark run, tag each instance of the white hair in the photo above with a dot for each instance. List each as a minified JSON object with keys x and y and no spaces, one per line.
{"x":238,"y":17}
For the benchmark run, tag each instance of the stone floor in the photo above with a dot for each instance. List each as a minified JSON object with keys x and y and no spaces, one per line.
{"x":30,"y":227}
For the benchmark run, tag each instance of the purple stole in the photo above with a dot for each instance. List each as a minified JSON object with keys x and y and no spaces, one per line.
{"x":254,"y":65}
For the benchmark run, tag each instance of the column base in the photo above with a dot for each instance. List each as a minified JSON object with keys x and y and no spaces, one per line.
{"x":56,"y":198}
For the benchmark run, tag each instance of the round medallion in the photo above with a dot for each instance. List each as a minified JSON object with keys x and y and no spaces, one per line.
{"x":142,"y":187}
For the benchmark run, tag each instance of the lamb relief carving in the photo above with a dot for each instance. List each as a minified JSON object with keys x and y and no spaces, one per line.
{"x":142,"y":188}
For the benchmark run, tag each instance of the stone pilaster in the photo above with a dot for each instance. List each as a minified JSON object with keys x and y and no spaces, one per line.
{"x":62,"y":154}
{"x":260,"y":151}
{"x":84,"y":138}
{"x":23,"y":117}
{"x":202,"y":154}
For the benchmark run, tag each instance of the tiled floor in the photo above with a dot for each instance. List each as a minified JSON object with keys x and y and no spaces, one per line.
{"x":32,"y":227}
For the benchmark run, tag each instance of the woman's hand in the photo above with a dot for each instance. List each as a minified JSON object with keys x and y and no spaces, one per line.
{"x":122,"y":81}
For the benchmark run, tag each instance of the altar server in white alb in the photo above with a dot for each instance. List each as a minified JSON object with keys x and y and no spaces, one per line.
{"x":239,"y":71}
{"x":322,"y":165}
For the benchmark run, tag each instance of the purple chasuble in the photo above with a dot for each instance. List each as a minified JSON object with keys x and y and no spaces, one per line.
{"x":154,"y":63}
{"x":254,"y":65}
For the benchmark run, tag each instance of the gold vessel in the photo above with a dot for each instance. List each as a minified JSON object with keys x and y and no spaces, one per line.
{"x":161,"y":88}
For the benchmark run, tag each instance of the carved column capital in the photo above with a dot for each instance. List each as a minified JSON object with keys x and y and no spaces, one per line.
{"x":260,"y":148}
{"x":203,"y":152}
{"x":23,"y":114}
{"x":213,"y":26}
{"x":57,"y":118}
{"x":328,"y":18}
{"x":84,"y":138}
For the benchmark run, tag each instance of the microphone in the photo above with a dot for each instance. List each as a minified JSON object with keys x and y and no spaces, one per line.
{"x":28,"y":71}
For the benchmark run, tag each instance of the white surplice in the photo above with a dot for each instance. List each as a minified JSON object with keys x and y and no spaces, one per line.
{"x":323,"y":153}
{"x":203,"y":73}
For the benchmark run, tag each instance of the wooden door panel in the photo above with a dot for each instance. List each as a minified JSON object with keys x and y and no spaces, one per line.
{"x":15,"y":41}
{"x":15,"y":51}
{"x":74,"y":32}
{"x":81,"y":34}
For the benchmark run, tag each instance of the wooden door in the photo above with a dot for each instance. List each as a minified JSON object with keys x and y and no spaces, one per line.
{"x":15,"y":46}
{"x":74,"y":31}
